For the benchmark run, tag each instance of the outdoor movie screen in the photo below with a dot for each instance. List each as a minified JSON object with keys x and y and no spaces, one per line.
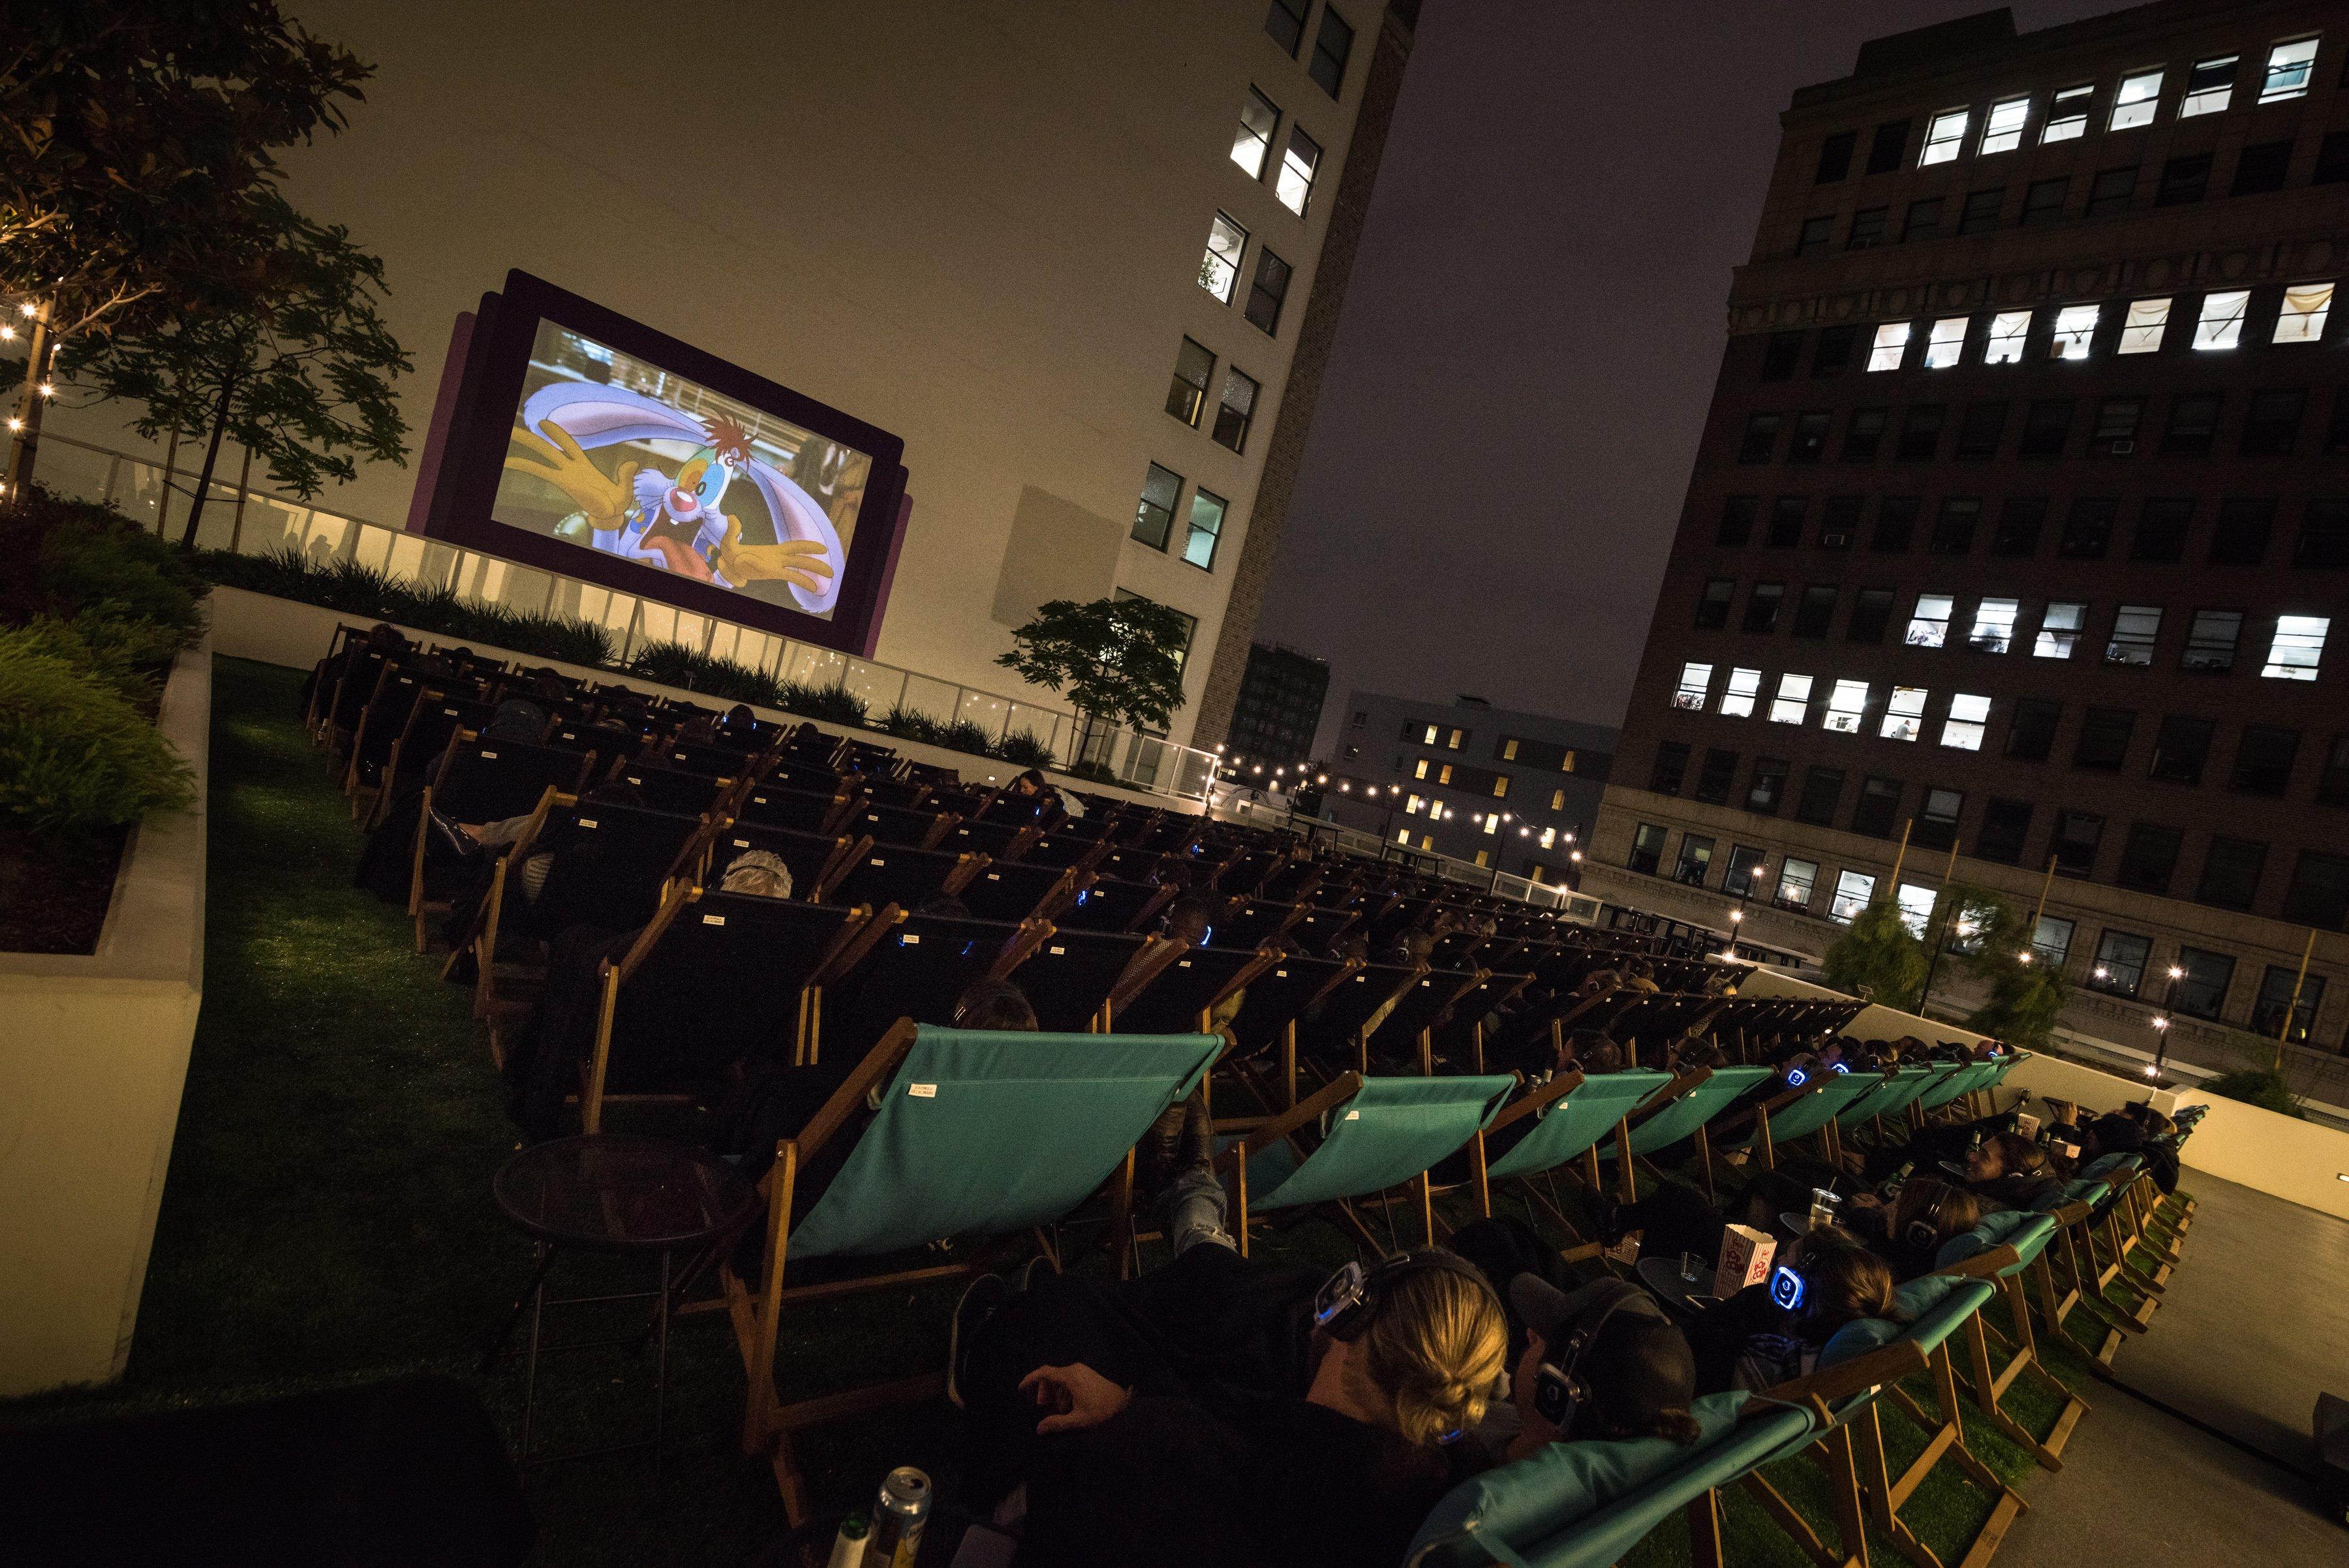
{"x":614,"y":454}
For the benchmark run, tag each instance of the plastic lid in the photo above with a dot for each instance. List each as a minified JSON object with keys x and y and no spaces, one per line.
{"x":855,"y":1527}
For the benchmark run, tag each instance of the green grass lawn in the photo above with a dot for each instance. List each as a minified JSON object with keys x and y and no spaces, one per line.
{"x":327,"y":1221}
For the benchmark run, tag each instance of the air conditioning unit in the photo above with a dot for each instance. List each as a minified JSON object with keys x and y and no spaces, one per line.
{"x":2122,"y":448}
{"x":1831,"y":541}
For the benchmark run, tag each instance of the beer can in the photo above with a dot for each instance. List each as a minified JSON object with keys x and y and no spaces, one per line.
{"x":903,"y":1509}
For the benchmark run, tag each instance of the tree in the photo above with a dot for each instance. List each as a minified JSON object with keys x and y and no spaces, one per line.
{"x":1993,"y":940}
{"x":301,"y":376}
{"x":1119,"y":660}
{"x":1876,"y":958}
{"x":136,"y":133}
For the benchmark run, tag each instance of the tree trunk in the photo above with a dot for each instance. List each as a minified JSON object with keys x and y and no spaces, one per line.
{"x":29,"y":403}
{"x":171,"y":469}
{"x":211,"y":456}
{"x":243,"y":483}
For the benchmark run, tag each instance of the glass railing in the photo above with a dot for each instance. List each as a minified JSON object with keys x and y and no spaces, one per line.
{"x":1263,"y":812}
{"x":251,"y":523}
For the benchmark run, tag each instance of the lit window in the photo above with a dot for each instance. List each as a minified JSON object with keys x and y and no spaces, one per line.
{"x":2067,"y":116}
{"x":1846,"y":706}
{"x":1947,"y":134}
{"x":1219,"y":269}
{"x":1298,"y":167}
{"x":1737,"y":703}
{"x":1929,"y":627}
{"x":2222,"y":321}
{"x":2141,"y":332}
{"x":1945,"y":342}
{"x":1206,"y":528}
{"x":2209,"y":85}
{"x":2002,"y":128}
{"x":1549,"y":838}
{"x":1969,"y":716}
{"x":1420,"y":772}
{"x":1993,"y":630}
{"x":2288,"y":68}
{"x":2008,"y":328}
{"x":1187,"y":393}
{"x":1904,"y":714}
{"x":1444,"y":775}
{"x":1492,"y":821}
{"x":1509,"y":750}
{"x":2299,"y":646}
{"x":1796,"y":880}
{"x":1403,"y":836}
{"x":2059,"y":630}
{"x":1854,"y":891}
{"x":1793,"y":700}
{"x":1558,"y":800}
{"x":1501,"y":787}
{"x":1694,"y":679}
{"x":2302,"y":320}
{"x":1891,"y":342}
{"x":1916,"y":903}
{"x":1412,"y":807}
{"x":1252,"y":143}
{"x":2134,"y":629}
{"x":2134,"y":105}
{"x":2075,"y":324}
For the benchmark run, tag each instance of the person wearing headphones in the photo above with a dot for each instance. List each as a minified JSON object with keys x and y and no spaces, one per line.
{"x":1909,"y":1229}
{"x":1768,"y":1332}
{"x":1604,"y":1362}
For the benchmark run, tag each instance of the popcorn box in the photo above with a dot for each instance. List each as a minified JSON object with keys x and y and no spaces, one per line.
{"x":2026,"y":1124}
{"x":1745,"y":1256}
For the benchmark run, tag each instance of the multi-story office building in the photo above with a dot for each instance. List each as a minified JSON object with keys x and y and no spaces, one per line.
{"x":1516,"y":792}
{"x":1086,"y":259}
{"x":2020,"y":522}
{"x":1280,"y":705}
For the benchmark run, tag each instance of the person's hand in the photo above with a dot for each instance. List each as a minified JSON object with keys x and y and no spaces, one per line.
{"x":1865,"y":1200}
{"x":800,"y":562}
{"x":555,"y":457}
{"x":1073,"y":1397}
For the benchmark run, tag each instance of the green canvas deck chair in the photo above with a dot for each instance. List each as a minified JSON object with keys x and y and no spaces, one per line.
{"x":2002,"y":1248}
{"x":1807,"y":1109}
{"x":1680,"y":1113}
{"x":1380,"y":1134}
{"x":979,"y":1135}
{"x":2073,"y":1208}
{"x":1571,"y":1115}
{"x":1837,"y":1396}
{"x":1586,"y":1504}
{"x":1891,"y":1098}
{"x":1954,"y":1087}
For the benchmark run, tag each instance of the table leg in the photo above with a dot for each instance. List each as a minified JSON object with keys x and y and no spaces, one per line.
{"x":529,"y":1377}
{"x":522,"y":1304}
{"x":660,"y":1374}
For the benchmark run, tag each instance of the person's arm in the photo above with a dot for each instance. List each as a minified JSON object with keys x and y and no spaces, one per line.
{"x":1073,"y":1397}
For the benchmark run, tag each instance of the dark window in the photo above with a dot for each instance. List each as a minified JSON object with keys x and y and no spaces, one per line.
{"x":1896,"y":524}
{"x":1885,"y":148}
{"x":1331,"y":45}
{"x":2272,"y":424}
{"x":2183,"y":179}
{"x":1670,"y":767}
{"x":1737,"y":514}
{"x":1815,"y":610}
{"x":2111,"y":190}
{"x":1832,"y":356}
{"x":1761,"y":607}
{"x":2277,"y":989}
{"x":1695,"y":861}
{"x":1744,"y":865}
{"x":1187,"y":393}
{"x":1713,"y":779}
{"x":2263,"y":760}
{"x":2087,"y":528}
{"x":2148,"y":856}
{"x":2120,"y":963}
{"x":1810,"y":441}
{"x":2161,"y":525}
{"x":1835,"y":156}
{"x":1923,"y":218}
{"x":1953,"y":530}
{"x":2046,"y":426}
{"x":1767,"y":788}
{"x":2319,"y":894}
{"x":2180,"y":747}
{"x":1980,"y":211}
{"x":1839,"y":522}
{"x":1878,"y":810}
{"x":2004,"y":825}
{"x":2077,"y":834}
{"x":2333,"y":783}
{"x":2043,"y":200}
{"x":1866,"y":228}
{"x":1712,"y":607}
{"x":2031,"y":736}
{"x":2104,"y":738}
{"x":2230,"y":873}
{"x":1780,"y":355}
{"x":2260,"y":169}
{"x":1270,"y":287}
{"x":1865,"y":433}
{"x":2239,"y":537}
{"x":2020,"y":519}
{"x":1787,"y":515}
{"x":2201,"y":991}
{"x":1937,"y":823}
{"x":1920,"y":431}
{"x":1980,"y":431}
{"x":1647,"y":848}
{"x":2337,"y":432}
{"x":1822,"y":793}
{"x":1155,"y":517}
{"x":2323,"y":535}
{"x":1817,"y":233}
{"x":1235,"y":410}
{"x":2332,"y":158}
{"x":1761,"y":439}
{"x":2115,"y":432}
{"x":1286,"y":23}
{"x":1871,"y":612}
{"x":2193,"y":422}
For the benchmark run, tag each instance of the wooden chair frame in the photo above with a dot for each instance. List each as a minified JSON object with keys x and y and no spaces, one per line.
{"x":1988,"y":1382}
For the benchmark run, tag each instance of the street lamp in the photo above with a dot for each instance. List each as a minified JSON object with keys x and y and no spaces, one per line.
{"x":2161,"y":1024}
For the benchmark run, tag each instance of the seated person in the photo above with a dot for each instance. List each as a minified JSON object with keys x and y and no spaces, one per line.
{"x":760,"y":873}
{"x":2008,"y":1170}
{"x":1606,"y":1360}
{"x":1910,"y":1227}
{"x":1749,"y":1341}
{"x":1907,"y":1227}
{"x":1590,"y":1052}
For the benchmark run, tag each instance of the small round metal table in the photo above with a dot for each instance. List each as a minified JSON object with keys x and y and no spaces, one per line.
{"x":1662,"y":1276}
{"x":615,"y":1194}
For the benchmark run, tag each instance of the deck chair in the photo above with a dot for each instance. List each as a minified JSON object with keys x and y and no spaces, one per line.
{"x":1954,"y":1087}
{"x":2002,"y":1248}
{"x":1810,"y":1108}
{"x":1336,"y":1031}
{"x":1194,"y":984}
{"x":1258,"y":922}
{"x":672,"y":789}
{"x":815,"y":859}
{"x":1404,"y":1034}
{"x":1694,"y":1099}
{"x":918,"y":968}
{"x":1316,"y":930}
{"x":1003,"y":841}
{"x":484,"y":781}
{"x":382,"y":722}
{"x":1586,"y":1504}
{"x":1075,"y":979}
{"x":1460,"y":1037}
{"x":1892,"y":1096}
{"x":1840,"y":1395}
{"x":1113,"y":904}
{"x":978,"y":1135}
{"x":901,"y":826}
{"x":1061,"y":849}
{"x":431,"y":725}
{"x":1382,"y":1132}
{"x":1564,"y":1121}
{"x":1019,"y":891}
{"x":800,"y":810}
{"x":882,"y":874}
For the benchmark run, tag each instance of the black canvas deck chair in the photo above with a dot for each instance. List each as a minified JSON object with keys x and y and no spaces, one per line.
{"x":483,"y":781}
{"x":1192,"y":986}
{"x":885,"y":874}
{"x":1333,"y":1034}
{"x":390,"y":710}
{"x":433,"y":723}
{"x":1113,"y":904}
{"x":1256,"y":922}
{"x":905,"y":827}
{"x":1017,"y":891}
{"x":803,"y":811}
{"x":1317,"y":930}
{"x":917,"y":967}
{"x":1061,"y":849}
{"x":1077,"y":980}
{"x":998,"y":841}
{"x":1402,"y":1036}
{"x":671,"y":789}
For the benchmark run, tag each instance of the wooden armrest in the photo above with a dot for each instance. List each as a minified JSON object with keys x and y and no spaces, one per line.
{"x":877,"y":1064}
{"x":1556,"y":1089}
{"x":1336,"y":1091}
{"x":1687,"y":1083}
{"x":1888,"y":1365}
{"x":1984,"y":1265}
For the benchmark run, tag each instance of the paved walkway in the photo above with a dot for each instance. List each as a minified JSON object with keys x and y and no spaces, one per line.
{"x":2256,"y":1320}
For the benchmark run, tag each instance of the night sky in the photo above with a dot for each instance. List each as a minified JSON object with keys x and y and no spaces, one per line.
{"x":1532,"y":332}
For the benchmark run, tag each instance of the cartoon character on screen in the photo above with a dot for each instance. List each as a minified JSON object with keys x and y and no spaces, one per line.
{"x":676,"y":521}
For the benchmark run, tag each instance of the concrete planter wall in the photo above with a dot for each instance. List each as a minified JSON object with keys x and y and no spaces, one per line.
{"x":93,"y":1055}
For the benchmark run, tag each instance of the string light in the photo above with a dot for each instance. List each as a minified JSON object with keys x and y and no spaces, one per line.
{"x":7,"y":334}
{"x":27,"y":309}
{"x":15,"y":423}
{"x":48,"y":389}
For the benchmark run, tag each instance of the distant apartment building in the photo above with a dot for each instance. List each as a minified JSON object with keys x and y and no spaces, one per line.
{"x":2020,"y":523}
{"x":1280,"y":705}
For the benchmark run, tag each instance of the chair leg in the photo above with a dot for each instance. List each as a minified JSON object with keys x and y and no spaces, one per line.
{"x":1704,"y":1512}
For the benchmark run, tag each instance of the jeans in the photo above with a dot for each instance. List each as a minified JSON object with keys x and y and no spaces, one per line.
{"x":1194,"y":1210}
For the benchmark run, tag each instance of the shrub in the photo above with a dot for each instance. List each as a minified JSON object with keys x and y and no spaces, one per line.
{"x":567,"y":638}
{"x":1877,"y":960}
{"x":836,"y":704}
{"x":962,"y":735}
{"x":354,"y":589}
{"x":1024,"y":749}
{"x":92,"y":557}
{"x":670,"y":663}
{"x":74,"y":755}
{"x":1097,"y":772}
{"x":911,"y":724}
{"x":2261,"y":1087}
{"x":119,"y":654}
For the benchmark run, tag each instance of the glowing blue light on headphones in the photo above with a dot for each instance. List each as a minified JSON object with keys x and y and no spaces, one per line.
{"x":1207,"y":936}
{"x":1786,"y":1288}
{"x":1084,"y":894}
{"x":1843,"y":1067}
{"x":1797,"y":1077}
